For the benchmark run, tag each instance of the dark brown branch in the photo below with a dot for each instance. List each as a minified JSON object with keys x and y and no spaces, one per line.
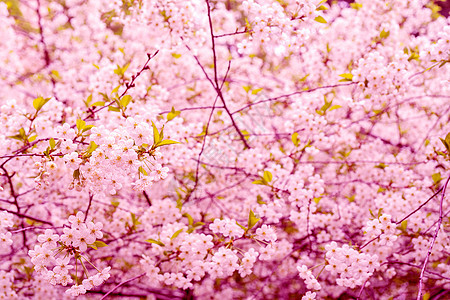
{"x":216,"y":80}
{"x":433,"y":241}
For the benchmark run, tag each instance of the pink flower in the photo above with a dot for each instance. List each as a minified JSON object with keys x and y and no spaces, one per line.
{"x":76,"y":290}
{"x":49,"y":237}
{"x":72,"y":160}
{"x":65,"y":131}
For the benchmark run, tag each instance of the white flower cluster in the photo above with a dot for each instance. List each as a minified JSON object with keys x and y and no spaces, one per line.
{"x":227,"y":227}
{"x":310,"y":280}
{"x":6,"y":283}
{"x":353,"y":267}
{"x":382,"y":228}
{"x":6,"y":220}
{"x":73,"y":242}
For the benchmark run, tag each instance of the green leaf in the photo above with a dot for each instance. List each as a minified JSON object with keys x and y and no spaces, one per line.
{"x":259,"y":200}
{"x":21,"y":136}
{"x":125,"y":100}
{"x":155,"y":242}
{"x":52,"y":143}
{"x":156,"y":138}
{"x":80,"y":124}
{"x":267,"y":176}
{"x":380,"y":212}
{"x":446,"y":142}
{"x":381,"y":166}
{"x":384,"y":34}
{"x":334,"y":107}
{"x":32,"y":138}
{"x":189,"y":217}
{"x":87,"y":127}
{"x":98,"y":103}
{"x":198,"y":224}
{"x":39,"y":102}
{"x":414,"y":56}
{"x":426,"y":296}
{"x":115,"y":90}
{"x":303,"y":79}
{"x":356,"y":6}
{"x":256,"y":91}
{"x":142,"y":170}
{"x":241,"y":226}
{"x":167,"y":142}
{"x":346,"y":76}
{"x":252,"y":220}
{"x":176,"y":55}
{"x":161,"y":134}
{"x":259,"y":181}
{"x":173,"y":114}
{"x":177,"y":233}
{"x":121,"y":70}
{"x":403,"y":225}
{"x":320,"y":19}
{"x":88,"y":100}
{"x":134,"y":220}
{"x":247,"y":88}
{"x":294,"y":139}
{"x":100,"y":244}
{"x":112,"y":108}
{"x":436,"y":177}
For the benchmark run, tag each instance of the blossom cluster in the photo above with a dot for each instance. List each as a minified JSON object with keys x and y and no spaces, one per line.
{"x":53,"y":255}
{"x":6,"y":220}
{"x":294,"y":149}
{"x":353,"y":267}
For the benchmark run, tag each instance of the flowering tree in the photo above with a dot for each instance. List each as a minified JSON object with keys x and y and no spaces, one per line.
{"x":224,"y":149}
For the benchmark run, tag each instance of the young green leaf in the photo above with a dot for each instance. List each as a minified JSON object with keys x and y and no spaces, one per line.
{"x":156,"y":137}
{"x":173,"y":114}
{"x":267,"y":176}
{"x":252,"y":220}
{"x":52,"y":143}
{"x":39,"y":102}
{"x":384,"y":34}
{"x":189,"y":217}
{"x":125,"y":100}
{"x":80,"y":124}
{"x":98,"y":103}
{"x":346,"y":76}
{"x":100,"y":244}
{"x":294,"y":139}
{"x":177,"y":233}
{"x":259,"y":181}
{"x":142,"y":170}
{"x":404,"y":225}
{"x":167,"y":142}
{"x":155,"y":242}
{"x":320,"y":19}
{"x":115,"y":90}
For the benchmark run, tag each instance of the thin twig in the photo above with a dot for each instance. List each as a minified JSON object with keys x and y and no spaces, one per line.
{"x":204,"y":139}
{"x":433,"y":241}
{"x":216,"y":80}
{"x":128,"y":86}
{"x":89,"y":206}
{"x":122,"y":283}
{"x":422,"y":205}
